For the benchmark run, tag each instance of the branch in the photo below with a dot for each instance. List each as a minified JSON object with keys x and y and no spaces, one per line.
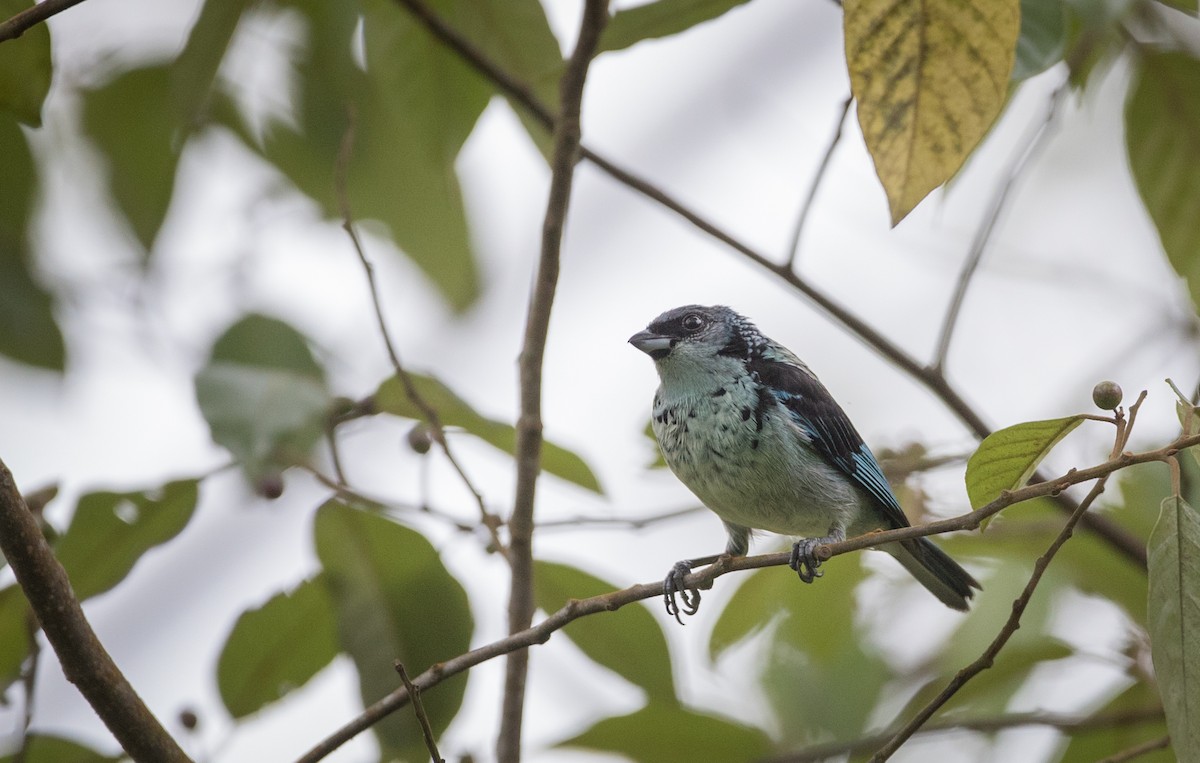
{"x":1121,"y":540}
{"x":805,"y":208}
{"x":84,"y":660}
{"x":419,"y":709}
{"x":577,"y":608}
{"x":1138,"y":750}
{"x":987,"y":725}
{"x":1034,"y":141}
{"x":438,"y":432}
{"x":987,"y":659}
{"x":533,"y":350}
{"x":31,"y":17}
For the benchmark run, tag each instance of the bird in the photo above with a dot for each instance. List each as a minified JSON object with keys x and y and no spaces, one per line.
{"x":749,"y":428}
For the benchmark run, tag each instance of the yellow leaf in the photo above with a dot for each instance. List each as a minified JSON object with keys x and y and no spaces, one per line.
{"x":930,"y":77}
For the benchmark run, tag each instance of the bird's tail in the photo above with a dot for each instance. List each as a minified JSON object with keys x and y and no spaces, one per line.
{"x":935,"y":570}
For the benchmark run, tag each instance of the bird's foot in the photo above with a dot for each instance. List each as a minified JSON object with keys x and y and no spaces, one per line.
{"x":804,"y":555}
{"x":674,"y":586}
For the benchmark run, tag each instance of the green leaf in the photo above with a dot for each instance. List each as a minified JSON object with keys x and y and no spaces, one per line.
{"x":195,"y":70}
{"x":408,"y":116}
{"x":1007,"y":458}
{"x":276,"y":648}
{"x":131,"y":124}
{"x":629,"y":642}
{"x":263,"y":395}
{"x":1043,"y":38}
{"x":811,"y":640}
{"x":455,"y":412}
{"x":394,"y":601}
{"x":1174,"y":605}
{"x":930,"y":78}
{"x":109,"y":532}
{"x":25,"y":68}
{"x":1162,"y":135}
{"x":28,"y":331}
{"x":15,"y":622}
{"x":662,"y":18}
{"x":49,"y":749}
{"x":1189,"y":417}
{"x":665,"y":732}
{"x":1190,"y":6}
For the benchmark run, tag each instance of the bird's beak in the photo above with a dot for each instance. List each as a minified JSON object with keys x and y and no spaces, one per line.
{"x":656,"y":346}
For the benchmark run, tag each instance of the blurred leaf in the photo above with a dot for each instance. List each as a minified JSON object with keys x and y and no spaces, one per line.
{"x":1191,"y":6}
{"x":1007,"y":458}
{"x":1089,"y":745}
{"x":131,"y":124}
{"x":663,"y":18}
{"x":394,"y":601}
{"x":263,"y":395}
{"x":109,"y":532}
{"x":925,"y":98}
{"x":1162,"y":118}
{"x":15,"y":619}
{"x":516,"y":36}
{"x":48,"y":749}
{"x":195,"y":70}
{"x":812,"y":641}
{"x":1174,"y":606}
{"x":408,"y":116}
{"x":277,"y":647}
{"x":1162,"y":135}
{"x":28,"y":331}
{"x":455,"y":412}
{"x":629,"y":642}
{"x":25,"y":68}
{"x":667,"y":732}
{"x":1096,"y":34}
{"x":1043,"y":38}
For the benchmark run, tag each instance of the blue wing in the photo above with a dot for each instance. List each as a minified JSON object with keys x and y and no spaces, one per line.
{"x":828,"y":427}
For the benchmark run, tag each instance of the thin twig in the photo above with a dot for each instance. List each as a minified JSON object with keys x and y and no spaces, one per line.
{"x":805,"y":208}
{"x":564,"y":159}
{"x":703,"y":578}
{"x":987,"y":659}
{"x":437,"y":431}
{"x":1035,"y":140}
{"x":356,"y":496}
{"x":1138,"y":750}
{"x":84,"y":660}
{"x":1120,"y":539}
{"x":419,"y":709}
{"x":1067,"y":723}
{"x":22,"y":22}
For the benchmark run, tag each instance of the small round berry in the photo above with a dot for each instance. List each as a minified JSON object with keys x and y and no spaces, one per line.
{"x":188,"y":719}
{"x":1107,"y":395}
{"x":419,"y":438}
{"x":270,"y":486}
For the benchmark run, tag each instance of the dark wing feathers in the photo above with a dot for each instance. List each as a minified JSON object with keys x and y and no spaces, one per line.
{"x":819,"y":416}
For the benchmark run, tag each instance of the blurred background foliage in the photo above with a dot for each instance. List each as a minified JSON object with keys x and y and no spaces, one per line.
{"x":369,"y":116}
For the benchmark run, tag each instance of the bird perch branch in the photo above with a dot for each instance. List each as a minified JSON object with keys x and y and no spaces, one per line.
{"x":84,"y":660}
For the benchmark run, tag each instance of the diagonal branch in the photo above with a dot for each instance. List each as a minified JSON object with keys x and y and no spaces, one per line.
{"x":84,"y":660}
{"x":1121,"y":540}
{"x":22,"y":22}
{"x":1067,"y":723}
{"x":577,"y":608}
{"x":533,"y":349}
{"x":987,"y":659}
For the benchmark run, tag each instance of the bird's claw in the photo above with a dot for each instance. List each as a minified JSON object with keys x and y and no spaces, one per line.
{"x":804,"y":559}
{"x":674,"y":586}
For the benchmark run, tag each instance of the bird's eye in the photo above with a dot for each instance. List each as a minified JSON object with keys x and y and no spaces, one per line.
{"x":692,"y":322}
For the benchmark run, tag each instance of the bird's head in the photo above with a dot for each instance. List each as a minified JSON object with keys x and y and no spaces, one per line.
{"x":695,"y":336}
